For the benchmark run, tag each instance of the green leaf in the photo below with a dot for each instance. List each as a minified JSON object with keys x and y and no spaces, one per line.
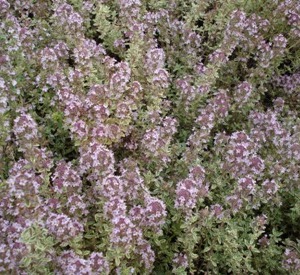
{"x":206,"y":249}
{"x":26,"y":262}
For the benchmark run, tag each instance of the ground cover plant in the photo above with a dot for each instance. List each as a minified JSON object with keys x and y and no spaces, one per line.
{"x":150,"y":137}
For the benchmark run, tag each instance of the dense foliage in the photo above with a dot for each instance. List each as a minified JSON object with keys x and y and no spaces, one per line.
{"x":150,"y":137}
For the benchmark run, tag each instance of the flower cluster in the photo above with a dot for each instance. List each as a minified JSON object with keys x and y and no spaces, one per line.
{"x":156,"y":141}
{"x":96,"y":160}
{"x":123,"y":232}
{"x":291,"y":260}
{"x":142,"y":137}
{"x":69,"y":262}
{"x":215,"y":111}
{"x":85,"y":53}
{"x":65,"y":179}
{"x":241,"y":157}
{"x":290,"y":11}
{"x":63,"y":227}
{"x":191,"y":189}
{"x":180,"y":261}
{"x":154,"y":213}
{"x":242,"y":93}
{"x":23,"y":189}
{"x":67,"y":19}
{"x":12,"y":249}
{"x":25,"y":130}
